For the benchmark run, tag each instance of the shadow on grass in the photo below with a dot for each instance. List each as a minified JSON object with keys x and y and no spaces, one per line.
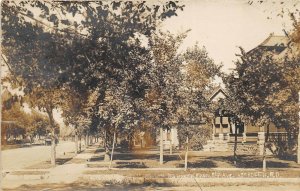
{"x":135,"y":156}
{"x":61,"y":161}
{"x":95,"y":159}
{"x":47,"y":164}
{"x":259,"y":164}
{"x":288,"y":157}
{"x":131,"y":165}
{"x":200,"y":164}
{"x":99,"y":150}
{"x":132,"y":156}
{"x":251,"y":161}
{"x":227,"y":161}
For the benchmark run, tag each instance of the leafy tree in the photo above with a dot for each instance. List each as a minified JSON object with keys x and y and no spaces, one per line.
{"x":47,"y":100}
{"x":260,"y":89}
{"x":76,"y":113}
{"x":30,"y":53}
{"x":40,"y":124}
{"x":47,"y":54}
{"x":117,"y":59}
{"x":37,"y":125}
{"x":163,"y":79}
{"x":14,"y":112}
{"x":198,"y":72}
{"x":27,"y":124}
{"x":287,"y":107}
{"x":229,"y":107}
{"x":122,"y":60}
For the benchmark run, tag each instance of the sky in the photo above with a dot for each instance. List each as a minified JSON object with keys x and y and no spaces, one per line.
{"x":224,"y":25}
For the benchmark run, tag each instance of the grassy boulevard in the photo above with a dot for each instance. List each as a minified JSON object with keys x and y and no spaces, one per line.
{"x":139,"y":170}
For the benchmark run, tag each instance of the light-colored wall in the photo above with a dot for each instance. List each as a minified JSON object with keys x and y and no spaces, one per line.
{"x":173,"y":136}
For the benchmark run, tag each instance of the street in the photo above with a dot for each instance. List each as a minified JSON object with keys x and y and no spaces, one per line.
{"x":16,"y":159}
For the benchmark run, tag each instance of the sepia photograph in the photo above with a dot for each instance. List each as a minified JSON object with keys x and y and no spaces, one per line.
{"x":188,"y":95}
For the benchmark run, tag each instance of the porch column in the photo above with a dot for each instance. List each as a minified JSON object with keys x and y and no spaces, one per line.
{"x":214,"y":128}
{"x":221,"y":125}
{"x":221,"y":135}
{"x":245,"y":134}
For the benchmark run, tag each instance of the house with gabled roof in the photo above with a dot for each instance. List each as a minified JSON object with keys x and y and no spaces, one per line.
{"x":217,"y":93}
{"x":274,"y":44}
{"x":223,"y":129}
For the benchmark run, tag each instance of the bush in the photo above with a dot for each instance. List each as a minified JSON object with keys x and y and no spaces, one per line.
{"x":198,"y":136}
{"x":125,"y":144}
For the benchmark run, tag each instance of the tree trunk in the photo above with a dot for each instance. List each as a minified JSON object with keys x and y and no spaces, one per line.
{"x":112,"y":150}
{"x":171,"y":142}
{"x":265,"y":144}
{"x":76,"y":141}
{"x":53,"y":148}
{"x":186,"y":153}
{"x":171,"y":147}
{"x":86,"y":140}
{"x":116,"y":142}
{"x":104,"y":140}
{"x":106,"y":155}
{"x":235,"y":146}
{"x":53,"y":144}
{"x":161,"y":153}
{"x":79,"y":143}
{"x":298,"y":137}
{"x":298,"y":147}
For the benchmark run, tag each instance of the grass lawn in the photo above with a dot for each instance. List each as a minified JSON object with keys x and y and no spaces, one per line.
{"x":64,"y":159}
{"x":149,"y":159}
{"x":29,"y":172}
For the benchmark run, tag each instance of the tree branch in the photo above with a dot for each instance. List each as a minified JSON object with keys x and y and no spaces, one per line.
{"x":50,"y":27}
{"x":9,"y":68}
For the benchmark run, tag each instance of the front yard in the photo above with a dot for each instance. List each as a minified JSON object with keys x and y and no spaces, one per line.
{"x":197,"y":159}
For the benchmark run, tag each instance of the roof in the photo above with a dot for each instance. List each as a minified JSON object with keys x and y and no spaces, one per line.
{"x":216,"y":91}
{"x":275,"y":41}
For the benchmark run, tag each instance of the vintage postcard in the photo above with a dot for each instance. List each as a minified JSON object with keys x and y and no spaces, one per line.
{"x":150,"y":95}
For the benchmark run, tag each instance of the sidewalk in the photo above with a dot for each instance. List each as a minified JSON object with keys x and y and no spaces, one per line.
{"x":68,"y":173}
